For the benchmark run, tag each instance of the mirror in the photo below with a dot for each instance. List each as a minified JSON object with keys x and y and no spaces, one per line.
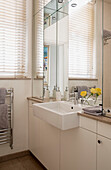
{"x":75,"y":45}
{"x":67,"y":46}
{"x":56,"y":43}
{"x":50,"y":45}
{"x":37,"y":52}
{"x":107,"y":56}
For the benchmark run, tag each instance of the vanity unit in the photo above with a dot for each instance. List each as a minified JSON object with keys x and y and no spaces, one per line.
{"x":85,"y":147}
{"x":101,"y":129}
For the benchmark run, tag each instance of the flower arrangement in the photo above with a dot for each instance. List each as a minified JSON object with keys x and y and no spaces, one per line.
{"x":94,"y":92}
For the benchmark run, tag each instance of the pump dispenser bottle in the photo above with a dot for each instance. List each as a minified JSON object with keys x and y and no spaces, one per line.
{"x":66,"y":94}
{"x":58,"y":94}
{"x":54,"y":92}
{"x":46,"y":93}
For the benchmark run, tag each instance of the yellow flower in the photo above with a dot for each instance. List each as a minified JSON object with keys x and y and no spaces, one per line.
{"x":93,"y":91}
{"x":98,"y":91}
{"x":83,"y":93}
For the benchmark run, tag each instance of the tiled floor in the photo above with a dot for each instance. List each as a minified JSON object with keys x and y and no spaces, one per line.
{"x":23,"y":163}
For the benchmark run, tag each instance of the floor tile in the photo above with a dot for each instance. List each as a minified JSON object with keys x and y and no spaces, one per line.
{"x":11,"y":165}
{"x":23,"y":163}
{"x":30,"y":163}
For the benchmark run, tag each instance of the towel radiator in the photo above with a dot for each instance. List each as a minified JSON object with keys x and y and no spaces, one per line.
{"x":6,"y":135}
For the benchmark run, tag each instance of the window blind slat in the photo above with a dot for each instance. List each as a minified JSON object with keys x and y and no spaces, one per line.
{"x":13,"y":21}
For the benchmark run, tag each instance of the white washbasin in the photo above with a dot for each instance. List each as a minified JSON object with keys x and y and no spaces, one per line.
{"x":62,"y":115}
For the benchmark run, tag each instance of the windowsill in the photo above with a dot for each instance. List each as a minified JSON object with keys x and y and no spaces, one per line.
{"x":39,"y":78}
{"x":15,"y":78}
{"x":86,"y":79}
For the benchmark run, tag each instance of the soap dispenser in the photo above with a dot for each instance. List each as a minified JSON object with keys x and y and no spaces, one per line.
{"x":58,"y":94}
{"x":66,"y":94}
{"x":54,"y":92}
{"x":46,"y":93}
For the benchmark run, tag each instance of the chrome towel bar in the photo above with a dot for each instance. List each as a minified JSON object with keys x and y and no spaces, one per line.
{"x":6,"y":135}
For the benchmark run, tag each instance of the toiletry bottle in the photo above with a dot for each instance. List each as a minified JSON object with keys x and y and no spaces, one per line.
{"x":66,"y":94}
{"x":75,"y":97}
{"x":54,"y":92}
{"x":58,"y":95}
{"x":46,"y":93}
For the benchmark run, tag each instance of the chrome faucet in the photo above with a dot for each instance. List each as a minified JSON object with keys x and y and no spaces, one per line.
{"x":74,"y":96}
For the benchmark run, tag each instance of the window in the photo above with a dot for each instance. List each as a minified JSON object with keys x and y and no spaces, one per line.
{"x":82,"y":59}
{"x":13,"y":39}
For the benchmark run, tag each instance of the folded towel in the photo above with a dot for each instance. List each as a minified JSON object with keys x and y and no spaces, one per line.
{"x":80,"y":89}
{"x":96,"y":110}
{"x":2,"y":95}
{"x":3,"y":116}
{"x":95,"y":114}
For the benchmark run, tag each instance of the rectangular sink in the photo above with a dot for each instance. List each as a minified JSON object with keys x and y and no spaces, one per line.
{"x":62,"y":115}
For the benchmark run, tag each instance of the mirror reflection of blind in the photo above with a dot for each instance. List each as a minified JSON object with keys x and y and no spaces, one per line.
{"x":13,"y":38}
{"x":82,"y":59}
{"x":38,"y":37}
{"x":39,"y":43}
{"x":39,"y":4}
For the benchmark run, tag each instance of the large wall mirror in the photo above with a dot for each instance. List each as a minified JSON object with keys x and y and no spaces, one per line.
{"x":37,"y":51}
{"x":55,"y":46}
{"x":107,"y":55}
{"x":67,"y":48}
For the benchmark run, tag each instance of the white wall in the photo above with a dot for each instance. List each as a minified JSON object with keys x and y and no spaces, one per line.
{"x":22,"y":90}
{"x":37,"y":88}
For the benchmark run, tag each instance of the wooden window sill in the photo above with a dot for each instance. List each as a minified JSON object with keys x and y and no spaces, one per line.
{"x":86,"y":79}
{"x":15,"y":78}
{"x":38,"y":78}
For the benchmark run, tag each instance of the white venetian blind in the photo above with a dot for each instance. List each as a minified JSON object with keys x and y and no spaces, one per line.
{"x":82,"y":59}
{"x":13,"y":62}
{"x":38,"y":35}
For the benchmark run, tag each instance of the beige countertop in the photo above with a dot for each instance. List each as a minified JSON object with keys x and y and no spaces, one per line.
{"x":99,"y":118}
{"x":39,"y":100}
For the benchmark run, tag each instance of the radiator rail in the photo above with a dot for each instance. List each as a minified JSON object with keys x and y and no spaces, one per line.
{"x":6,"y":135}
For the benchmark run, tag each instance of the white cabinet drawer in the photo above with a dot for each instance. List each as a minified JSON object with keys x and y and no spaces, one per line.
{"x":88,"y":123}
{"x":104,"y":129}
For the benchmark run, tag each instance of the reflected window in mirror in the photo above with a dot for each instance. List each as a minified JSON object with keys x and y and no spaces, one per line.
{"x":82,"y":41}
{"x":46,"y":64}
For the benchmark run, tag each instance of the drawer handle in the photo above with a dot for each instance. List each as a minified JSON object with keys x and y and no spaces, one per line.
{"x":99,"y":141}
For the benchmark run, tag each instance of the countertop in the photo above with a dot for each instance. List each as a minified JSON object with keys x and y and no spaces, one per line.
{"x":103,"y":119}
{"x":39,"y":100}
